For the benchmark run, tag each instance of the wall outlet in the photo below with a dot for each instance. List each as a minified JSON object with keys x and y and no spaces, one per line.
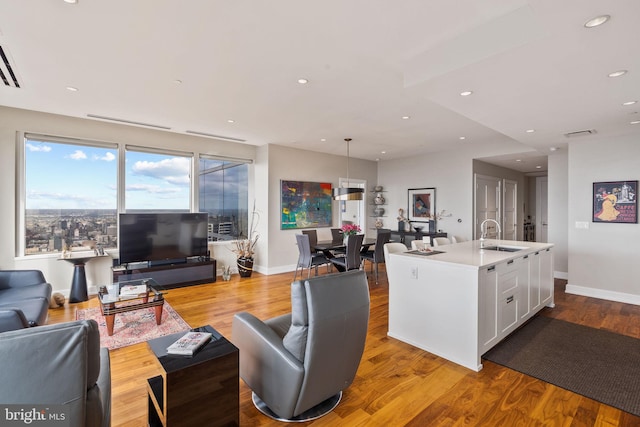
{"x":582,"y":224}
{"x":414,"y":272}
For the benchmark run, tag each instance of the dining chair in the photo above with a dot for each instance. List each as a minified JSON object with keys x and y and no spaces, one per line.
{"x":313,"y":238}
{"x":308,"y":260}
{"x":377,"y":256}
{"x":441,"y":241}
{"x":336,"y":237}
{"x":352,"y":258}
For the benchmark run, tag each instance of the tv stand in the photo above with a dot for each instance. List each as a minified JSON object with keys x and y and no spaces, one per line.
{"x":171,"y":275}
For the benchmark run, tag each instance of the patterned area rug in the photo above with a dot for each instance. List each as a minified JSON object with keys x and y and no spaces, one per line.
{"x":135,"y":326}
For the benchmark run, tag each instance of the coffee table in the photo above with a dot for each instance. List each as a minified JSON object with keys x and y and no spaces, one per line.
{"x":112,"y":302}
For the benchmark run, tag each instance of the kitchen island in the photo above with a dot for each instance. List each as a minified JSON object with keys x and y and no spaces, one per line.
{"x":461,"y":301}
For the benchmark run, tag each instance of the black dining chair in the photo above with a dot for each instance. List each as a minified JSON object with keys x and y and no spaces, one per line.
{"x":337,"y":236}
{"x":377,"y":255}
{"x":351,"y":259}
{"x":308,"y":260}
{"x":313,"y":238}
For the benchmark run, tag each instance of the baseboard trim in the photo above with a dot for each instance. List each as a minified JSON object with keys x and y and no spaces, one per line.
{"x":561,"y":275}
{"x":603,"y":294}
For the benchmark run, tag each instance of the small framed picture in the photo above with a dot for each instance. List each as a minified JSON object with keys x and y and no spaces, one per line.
{"x":422,"y":204}
{"x":615,"y":202}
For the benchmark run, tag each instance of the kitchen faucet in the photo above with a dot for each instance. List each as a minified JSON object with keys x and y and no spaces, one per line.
{"x":483,"y":231}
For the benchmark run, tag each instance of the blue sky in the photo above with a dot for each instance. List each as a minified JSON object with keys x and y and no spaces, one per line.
{"x":61,"y":176}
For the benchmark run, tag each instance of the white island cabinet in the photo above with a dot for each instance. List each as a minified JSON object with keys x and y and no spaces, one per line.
{"x":459,"y":303}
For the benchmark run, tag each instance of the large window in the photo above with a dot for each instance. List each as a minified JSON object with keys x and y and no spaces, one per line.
{"x":223,"y":195}
{"x":73,"y":190}
{"x":70,"y":195}
{"x":157,"y":181}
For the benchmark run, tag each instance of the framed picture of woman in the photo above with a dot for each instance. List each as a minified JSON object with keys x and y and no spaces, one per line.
{"x":615,"y":202}
{"x":422,"y":204}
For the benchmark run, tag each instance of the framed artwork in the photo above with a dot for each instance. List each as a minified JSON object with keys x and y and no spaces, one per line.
{"x":305,"y":204}
{"x":422,"y":204}
{"x":615,"y":202}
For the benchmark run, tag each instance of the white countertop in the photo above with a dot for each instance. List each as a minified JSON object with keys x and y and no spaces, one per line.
{"x":469,"y":253}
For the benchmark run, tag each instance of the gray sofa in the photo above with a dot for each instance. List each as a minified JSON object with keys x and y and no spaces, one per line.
{"x":24,"y":299}
{"x":298,"y":364}
{"x":61,"y":365}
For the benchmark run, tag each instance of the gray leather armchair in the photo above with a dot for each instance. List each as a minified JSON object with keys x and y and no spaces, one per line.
{"x":58,"y":364}
{"x":24,"y":299}
{"x":297,"y":364}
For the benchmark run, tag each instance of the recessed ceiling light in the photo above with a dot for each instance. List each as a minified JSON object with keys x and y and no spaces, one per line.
{"x":377,"y":159}
{"x":598,"y":20}
{"x":618,"y":73}
{"x":71,"y":1}
{"x":231,"y":121}
{"x":177,"y":81}
{"x":553,"y":149}
{"x":323,"y":139}
{"x":518,"y":160}
{"x":629,"y":103}
{"x":303,"y":81}
{"x":462,"y":137}
{"x":635,"y":122}
{"x":383,"y":152}
{"x":466,"y":93}
{"x":538,"y":167}
{"x":72,"y":89}
{"x":530,"y":130}
{"x":406,"y":117}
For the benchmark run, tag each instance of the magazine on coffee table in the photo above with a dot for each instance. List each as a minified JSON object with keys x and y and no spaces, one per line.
{"x":189,"y":343}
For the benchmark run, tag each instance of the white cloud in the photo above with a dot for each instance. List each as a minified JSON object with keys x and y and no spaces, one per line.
{"x":41,"y":147}
{"x":78,"y":155}
{"x":173,"y":171}
{"x":151,"y":189}
{"x":108,"y":157}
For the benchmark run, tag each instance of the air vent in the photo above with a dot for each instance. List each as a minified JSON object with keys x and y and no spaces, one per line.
{"x":210,"y":135}
{"x":129,"y":122}
{"x":7,"y":71}
{"x":580,"y":133}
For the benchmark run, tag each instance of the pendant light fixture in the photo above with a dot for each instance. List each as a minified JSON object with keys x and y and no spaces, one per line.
{"x":348,"y":193}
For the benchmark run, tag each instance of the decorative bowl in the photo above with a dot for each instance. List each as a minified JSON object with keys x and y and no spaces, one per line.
{"x":377,"y":188}
{"x":418,"y":228}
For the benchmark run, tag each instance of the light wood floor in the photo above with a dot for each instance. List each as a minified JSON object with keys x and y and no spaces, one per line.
{"x":396,"y":384}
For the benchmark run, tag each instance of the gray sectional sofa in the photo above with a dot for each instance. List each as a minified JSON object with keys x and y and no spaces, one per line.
{"x":24,"y":299}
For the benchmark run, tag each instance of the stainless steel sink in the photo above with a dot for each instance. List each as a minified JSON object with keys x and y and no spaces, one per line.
{"x":504,"y":248}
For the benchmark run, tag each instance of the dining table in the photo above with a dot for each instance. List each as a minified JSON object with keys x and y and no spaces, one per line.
{"x":326,"y":246}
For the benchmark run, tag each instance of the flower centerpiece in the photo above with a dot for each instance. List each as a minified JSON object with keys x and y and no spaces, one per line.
{"x":245,"y":248}
{"x":350,"y":230}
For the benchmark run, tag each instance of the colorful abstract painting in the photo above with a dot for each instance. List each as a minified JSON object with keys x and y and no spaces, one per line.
{"x":305,"y":204}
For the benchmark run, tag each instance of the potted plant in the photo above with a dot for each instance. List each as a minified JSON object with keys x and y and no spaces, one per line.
{"x":245,"y":248}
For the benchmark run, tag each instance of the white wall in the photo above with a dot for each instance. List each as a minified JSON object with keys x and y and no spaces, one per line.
{"x":12,"y":121}
{"x":558,"y":205}
{"x":603,"y":259}
{"x":292,"y":164}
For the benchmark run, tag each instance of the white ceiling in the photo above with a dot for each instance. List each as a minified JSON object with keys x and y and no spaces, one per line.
{"x":530,"y":65}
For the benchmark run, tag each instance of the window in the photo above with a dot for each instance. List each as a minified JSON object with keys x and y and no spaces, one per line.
{"x":224,"y":196}
{"x":70,"y":195}
{"x":157,"y":181}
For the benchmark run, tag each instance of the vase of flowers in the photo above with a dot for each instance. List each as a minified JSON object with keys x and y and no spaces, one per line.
{"x":350,"y":230}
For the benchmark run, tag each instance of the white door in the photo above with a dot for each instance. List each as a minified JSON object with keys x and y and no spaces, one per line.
{"x":541,"y":209}
{"x":510,"y":210}
{"x":487,"y":204}
{"x":353,"y":211}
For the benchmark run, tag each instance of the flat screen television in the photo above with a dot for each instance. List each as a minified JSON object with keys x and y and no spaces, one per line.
{"x":162,"y":238}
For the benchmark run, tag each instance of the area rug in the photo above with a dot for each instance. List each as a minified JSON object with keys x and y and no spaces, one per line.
{"x":597,"y":364}
{"x":135,"y":326}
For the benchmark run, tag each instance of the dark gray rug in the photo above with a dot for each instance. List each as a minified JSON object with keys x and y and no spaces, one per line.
{"x":597,"y":364}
